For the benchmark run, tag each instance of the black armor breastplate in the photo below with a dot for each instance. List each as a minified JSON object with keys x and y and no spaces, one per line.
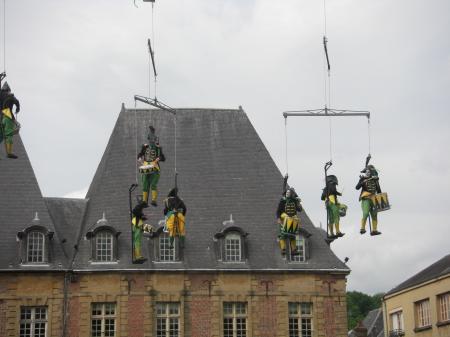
{"x":371,"y":186}
{"x":150,"y":154}
{"x":290,"y":208}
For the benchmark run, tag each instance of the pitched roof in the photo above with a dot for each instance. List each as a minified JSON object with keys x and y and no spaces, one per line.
{"x":20,"y":199}
{"x":67,"y":215}
{"x":437,"y":269}
{"x":224,"y":168}
{"x":373,"y":322}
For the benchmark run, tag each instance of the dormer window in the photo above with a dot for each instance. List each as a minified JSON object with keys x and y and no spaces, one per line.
{"x":233,"y":247}
{"x":302,"y":245}
{"x":231,"y":243}
{"x":34,"y":243}
{"x":104,"y":245}
{"x":35,"y":247}
{"x":103,"y":239}
{"x":167,"y":253}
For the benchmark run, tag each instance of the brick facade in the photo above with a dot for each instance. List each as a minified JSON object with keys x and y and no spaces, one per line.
{"x":200,"y":296}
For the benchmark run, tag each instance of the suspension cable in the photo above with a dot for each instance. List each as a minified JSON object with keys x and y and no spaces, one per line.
{"x":136,"y":145}
{"x":369,"y":134}
{"x":286,"y":144}
{"x":175,"y":146}
{"x":4,"y":36}
{"x":154,"y":44}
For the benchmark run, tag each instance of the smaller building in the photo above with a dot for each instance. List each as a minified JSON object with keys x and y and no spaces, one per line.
{"x":420,"y":306}
{"x":373,"y":323}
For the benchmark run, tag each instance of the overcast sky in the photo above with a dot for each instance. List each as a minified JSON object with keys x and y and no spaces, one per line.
{"x":73,"y":63}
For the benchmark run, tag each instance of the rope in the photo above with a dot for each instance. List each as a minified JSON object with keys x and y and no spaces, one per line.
{"x":4,"y":36}
{"x":175,"y":146}
{"x":369,"y":134}
{"x":136,"y":145}
{"x":286,"y":144}
{"x":154,"y":42}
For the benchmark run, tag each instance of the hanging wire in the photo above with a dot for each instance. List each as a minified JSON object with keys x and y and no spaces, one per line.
{"x":175,"y":145}
{"x":136,"y":145}
{"x":286,"y":144}
{"x":4,"y":36}
{"x":327,"y":81}
{"x":369,"y":134}
{"x":154,"y":42}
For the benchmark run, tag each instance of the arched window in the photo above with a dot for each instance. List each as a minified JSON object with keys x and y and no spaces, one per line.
{"x":35,"y":247}
{"x":233,"y":251}
{"x":104,"y":246}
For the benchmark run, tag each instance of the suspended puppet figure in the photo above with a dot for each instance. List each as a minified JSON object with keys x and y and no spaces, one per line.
{"x":8,"y":123}
{"x":175,"y":212}
{"x":334,"y":208}
{"x":288,"y":220}
{"x":150,"y":156}
{"x":370,"y":187}
{"x":138,"y":229}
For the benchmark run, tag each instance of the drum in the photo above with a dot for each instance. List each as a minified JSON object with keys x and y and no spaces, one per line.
{"x":146,"y":168}
{"x":381,"y":202}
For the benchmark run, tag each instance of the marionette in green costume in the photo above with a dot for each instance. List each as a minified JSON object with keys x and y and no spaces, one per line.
{"x":334,"y":208}
{"x":8,"y":124}
{"x":369,"y":185}
{"x":175,"y":212}
{"x":287,"y":218}
{"x":149,"y":157}
{"x":138,"y":229}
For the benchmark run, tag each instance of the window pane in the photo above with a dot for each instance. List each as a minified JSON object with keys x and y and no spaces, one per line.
{"x":444,"y":307}
{"x":241,"y":327}
{"x":233,"y":247}
{"x":109,"y":327}
{"x":33,"y":321}
{"x":228,"y":308}
{"x":228,"y":327}
{"x":96,"y":326}
{"x":306,"y":308}
{"x":35,"y":247}
{"x":104,"y":246}
{"x":165,"y":252}
{"x":293,"y":327}
{"x":300,"y":256}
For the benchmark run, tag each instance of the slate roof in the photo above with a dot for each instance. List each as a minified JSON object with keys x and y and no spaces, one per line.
{"x":67,"y":214}
{"x":224,"y":168}
{"x":373,"y":322}
{"x":437,"y":269}
{"x":20,"y":199}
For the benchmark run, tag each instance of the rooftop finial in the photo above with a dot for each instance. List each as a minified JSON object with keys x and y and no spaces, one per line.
{"x":36,"y":216}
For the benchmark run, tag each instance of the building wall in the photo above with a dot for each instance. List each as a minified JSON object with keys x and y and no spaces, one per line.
{"x":406,"y":301}
{"x":201,"y":297}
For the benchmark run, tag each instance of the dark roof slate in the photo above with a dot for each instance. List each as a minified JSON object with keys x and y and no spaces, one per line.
{"x":224,"y":168}
{"x":373,"y":322}
{"x":67,"y":215}
{"x":20,"y":199}
{"x":437,"y":269}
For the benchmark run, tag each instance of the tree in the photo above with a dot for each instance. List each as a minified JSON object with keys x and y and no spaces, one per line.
{"x":359,"y":305}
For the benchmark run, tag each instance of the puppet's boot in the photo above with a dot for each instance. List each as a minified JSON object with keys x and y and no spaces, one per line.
{"x":9,"y":152}
{"x":374,"y":228}
{"x":338,"y":232}
{"x":154,"y":196}
{"x":363,"y":226}
{"x":282,"y":246}
{"x":145,"y":199}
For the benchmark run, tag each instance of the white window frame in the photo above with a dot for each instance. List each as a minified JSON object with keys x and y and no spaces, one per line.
{"x":235,"y":316}
{"x":423,"y":313}
{"x":231,"y":242}
{"x":32,"y":321}
{"x":166,"y":254}
{"x":103,"y":317}
{"x":300,"y":242}
{"x":34,"y":237}
{"x":303,"y":319}
{"x":168,"y":316}
{"x":396,"y":320}
{"x":444,"y":307}
{"x":103,"y":257}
